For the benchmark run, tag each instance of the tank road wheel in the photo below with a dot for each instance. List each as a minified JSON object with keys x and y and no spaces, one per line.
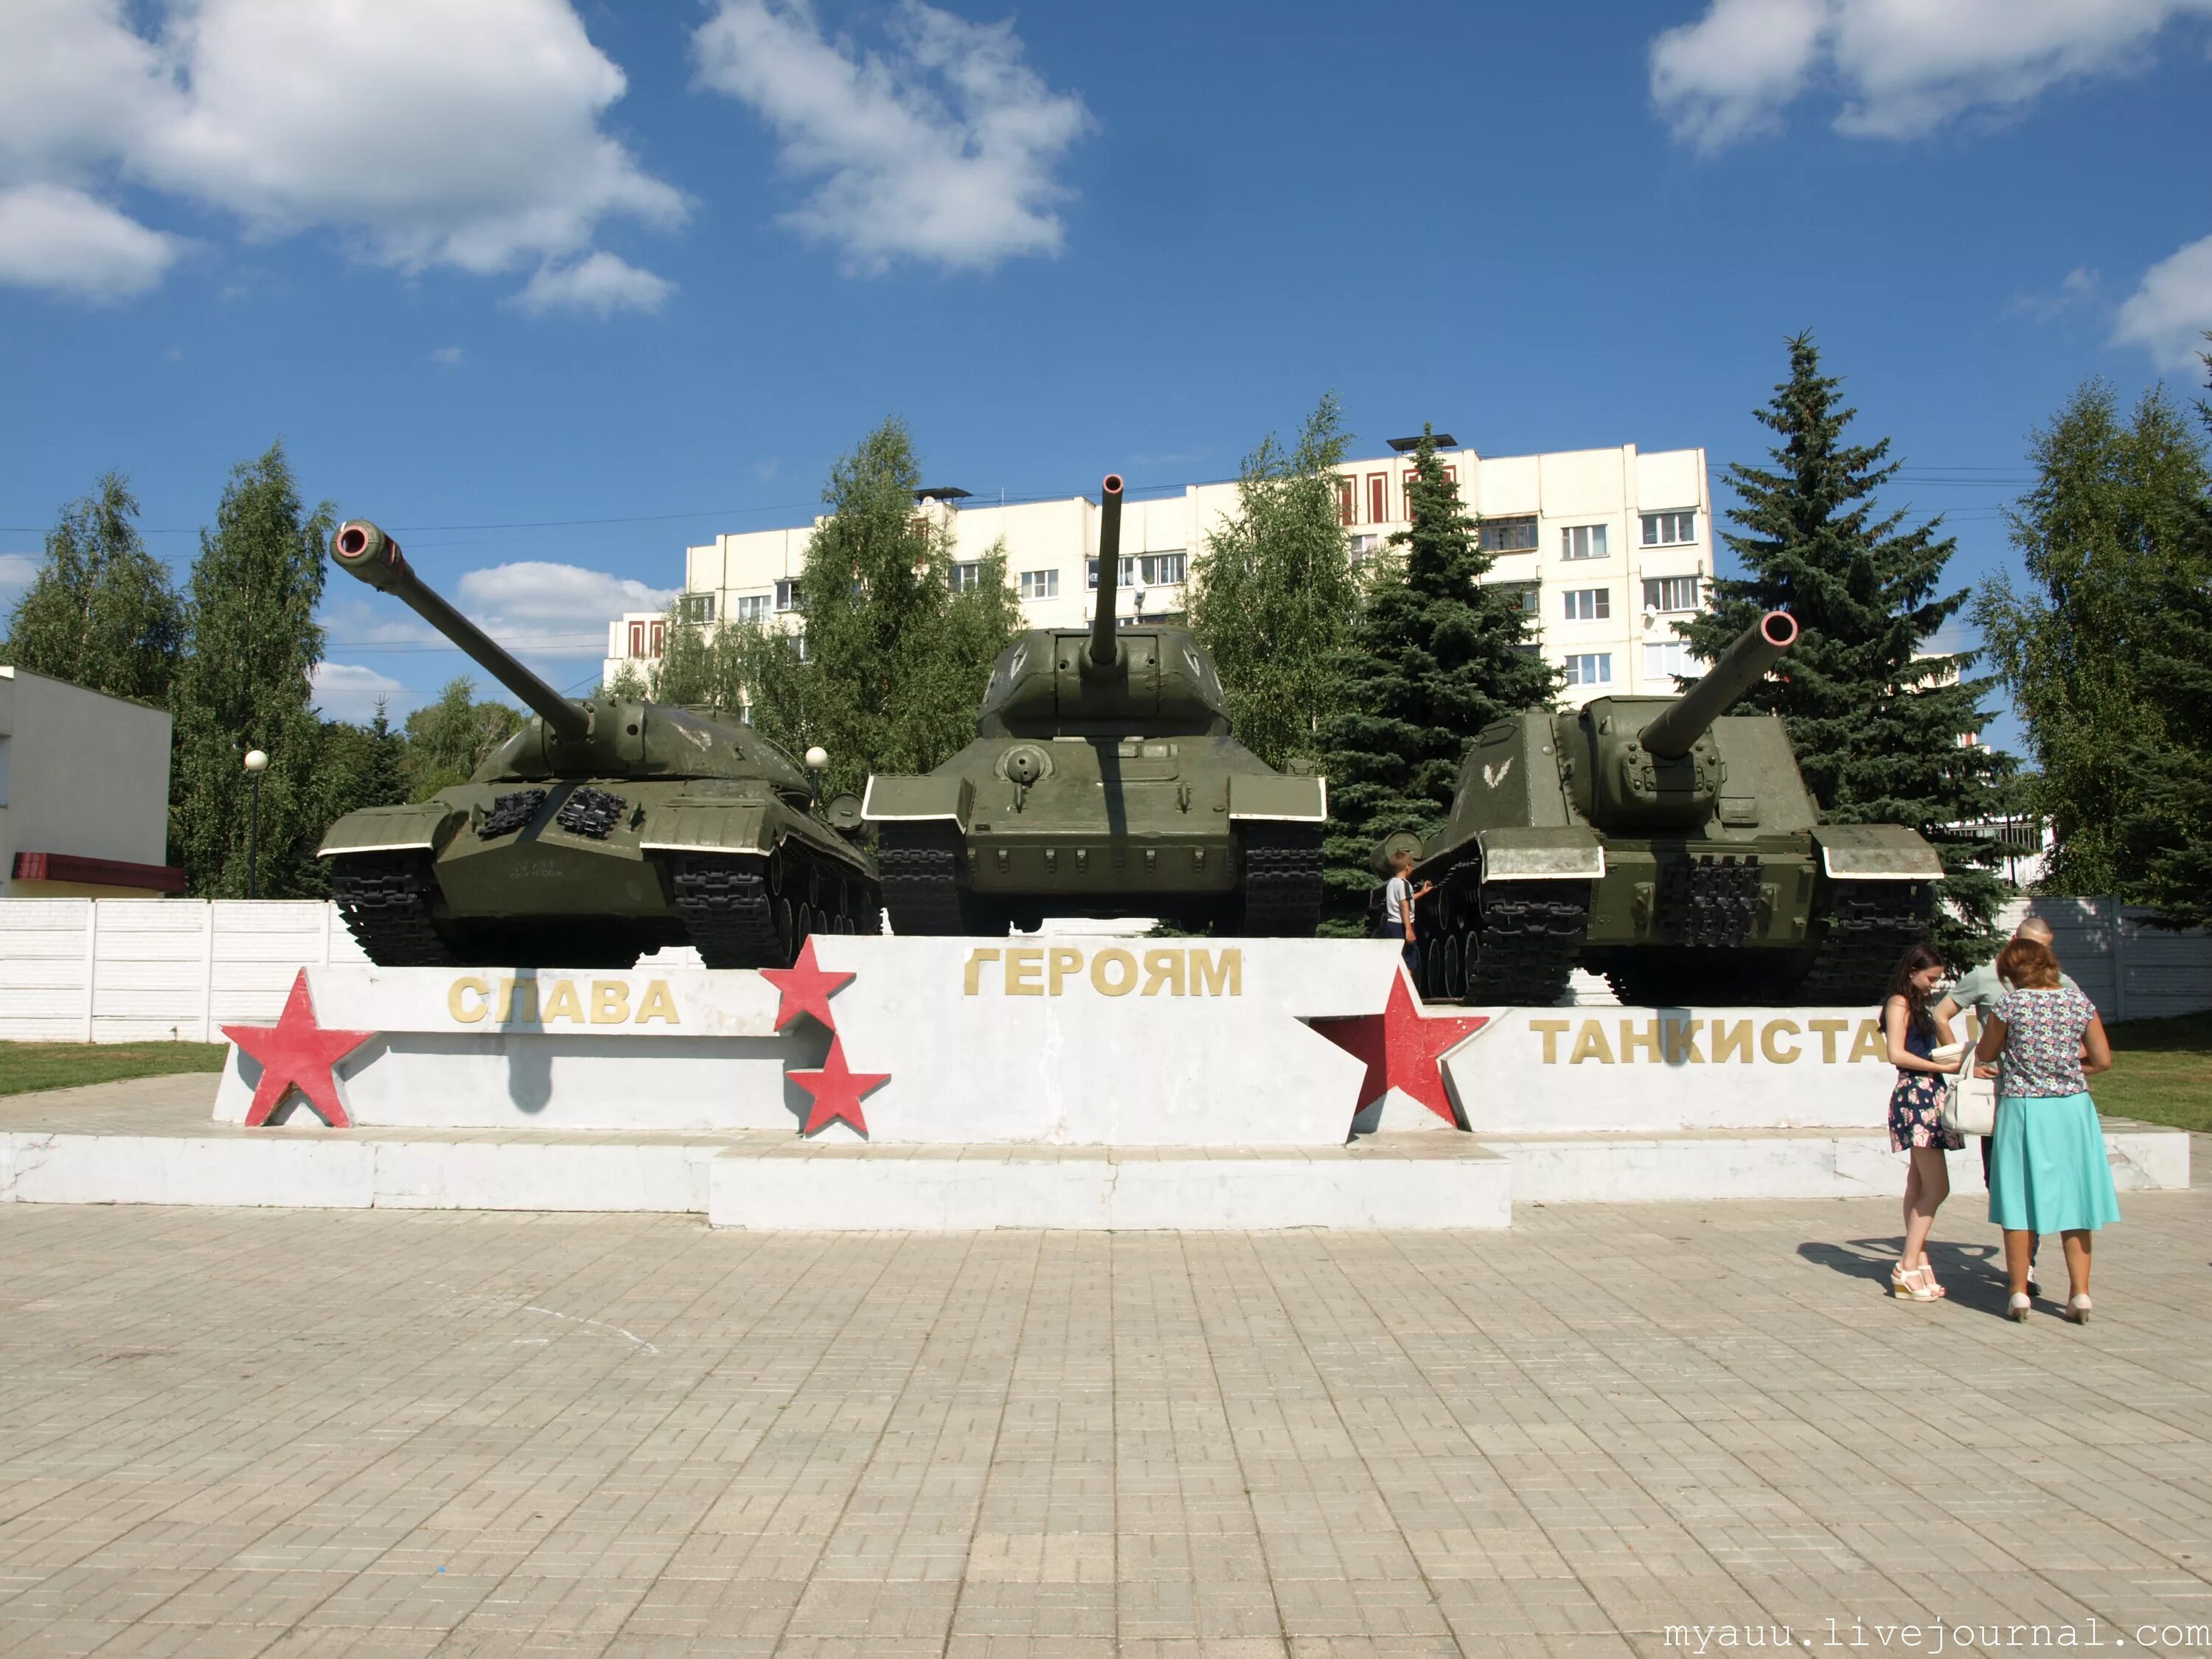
{"x":385,"y":898}
{"x":1455,"y":985}
{"x":722,"y":900}
{"x":1869,"y":924}
{"x":1282,"y":881}
{"x":1525,"y":944}
{"x":921,"y":883}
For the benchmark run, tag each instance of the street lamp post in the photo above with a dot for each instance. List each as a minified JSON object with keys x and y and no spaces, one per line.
{"x":256,"y":764}
{"x":817,"y":758}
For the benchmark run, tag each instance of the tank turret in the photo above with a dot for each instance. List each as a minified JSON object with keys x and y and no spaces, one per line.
{"x":603,"y":829}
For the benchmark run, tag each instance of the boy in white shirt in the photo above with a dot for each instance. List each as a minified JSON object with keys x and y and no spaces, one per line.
{"x":1400,"y":895}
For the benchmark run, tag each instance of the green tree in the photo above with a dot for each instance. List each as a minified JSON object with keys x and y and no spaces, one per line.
{"x":360,"y":766}
{"x":1273,"y":592}
{"x":102,"y":611}
{"x":1876,"y":718}
{"x":448,"y":739}
{"x":252,"y":643}
{"x":899,"y":637}
{"x":2111,"y":535}
{"x":1433,"y":657}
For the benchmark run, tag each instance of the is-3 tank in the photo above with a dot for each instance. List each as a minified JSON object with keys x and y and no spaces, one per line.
{"x":1669,"y":845}
{"x":601,"y":829}
{"x":1103,"y":782}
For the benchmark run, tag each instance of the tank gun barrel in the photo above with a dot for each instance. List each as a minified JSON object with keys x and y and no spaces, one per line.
{"x":1103,"y":645}
{"x":1743,"y":666}
{"x":360,"y":549}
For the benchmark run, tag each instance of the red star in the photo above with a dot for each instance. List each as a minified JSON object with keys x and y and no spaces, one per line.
{"x":836,"y":1088}
{"x":296,"y":1053}
{"x":1403,"y":1047}
{"x":806,"y":988}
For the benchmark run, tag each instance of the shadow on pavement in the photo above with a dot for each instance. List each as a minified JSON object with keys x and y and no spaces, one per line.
{"x":1972,"y":1273}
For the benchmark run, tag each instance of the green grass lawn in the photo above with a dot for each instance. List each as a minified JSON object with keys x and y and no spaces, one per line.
{"x":2161,"y":1072}
{"x":27,"y":1066}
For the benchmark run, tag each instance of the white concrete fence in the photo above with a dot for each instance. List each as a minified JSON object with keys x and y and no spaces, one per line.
{"x":139,"y":971}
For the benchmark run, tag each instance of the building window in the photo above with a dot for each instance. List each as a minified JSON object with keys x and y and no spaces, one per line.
{"x":1581,"y":541}
{"x":637,"y":639}
{"x":1670,"y":592}
{"x":752,"y":607}
{"x":1528,"y":650}
{"x":967,"y":576}
{"x":1040,"y":584}
{"x":698,"y":607}
{"x":1160,"y":569}
{"x":1508,"y":535}
{"x":1666,"y":529}
{"x":1591,"y":668}
{"x":1363,"y":545}
{"x":1662,"y":658}
{"x":1378,"y":497}
{"x":1528,"y":595}
{"x":1125,"y":576}
{"x":786,"y":596}
{"x":1588,"y":604}
{"x":1345,"y":489}
{"x":660,"y":637}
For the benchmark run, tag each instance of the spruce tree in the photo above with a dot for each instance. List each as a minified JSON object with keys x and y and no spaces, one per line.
{"x":1272,"y":594}
{"x":1876,"y":720}
{"x":102,"y":611}
{"x":359,"y":766}
{"x":251,"y":644}
{"x":1433,"y":658}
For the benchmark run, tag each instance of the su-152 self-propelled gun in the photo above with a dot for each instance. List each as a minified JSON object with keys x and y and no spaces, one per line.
{"x":1669,"y":845}
{"x":601,"y":829}
{"x":1102,"y":781}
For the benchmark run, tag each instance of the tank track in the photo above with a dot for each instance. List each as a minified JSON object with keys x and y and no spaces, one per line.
{"x":1869,"y":925}
{"x":1525,"y":947}
{"x":1282,"y":882}
{"x":920,"y":881}
{"x":385,"y":899}
{"x":735,"y":916}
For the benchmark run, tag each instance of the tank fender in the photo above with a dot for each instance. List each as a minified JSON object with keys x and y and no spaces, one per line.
{"x":905,"y":800}
{"x":719,"y":826}
{"x":1255,"y":795}
{"x":1876,"y":852}
{"x":1542,"y":853}
{"x":426,"y":826}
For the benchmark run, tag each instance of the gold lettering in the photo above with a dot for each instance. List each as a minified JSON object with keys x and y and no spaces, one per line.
{"x":1732,"y":1037}
{"x":517,"y":1002}
{"x":1026,"y":971}
{"x":1830,"y":1029}
{"x":1771,"y":1049}
{"x":463,"y":988}
{"x":1631,"y":1040}
{"x":609,"y":1002}
{"x":1163,"y":967}
{"x":1551,"y":1029}
{"x":564,"y":1003}
{"x":1125,"y":979}
{"x":1590,"y":1044}
{"x":660,"y":1004}
{"x":1870,"y":1045}
{"x":1208,"y":977}
{"x":1063,"y":961}
{"x":1681,"y":1036}
{"x":976,"y":959}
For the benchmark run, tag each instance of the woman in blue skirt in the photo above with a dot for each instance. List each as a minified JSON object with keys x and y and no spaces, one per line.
{"x":2048,"y":1173}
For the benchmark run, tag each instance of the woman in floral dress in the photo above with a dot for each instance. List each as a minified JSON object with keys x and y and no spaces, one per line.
{"x":1915,"y":1113}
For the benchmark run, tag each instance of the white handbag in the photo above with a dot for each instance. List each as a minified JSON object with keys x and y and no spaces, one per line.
{"x":1970,"y":1102}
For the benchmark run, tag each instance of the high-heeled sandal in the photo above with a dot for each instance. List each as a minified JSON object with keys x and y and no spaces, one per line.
{"x":2077,"y":1308}
{"x":2018,"y":1308}
{"x":1908,"y":1284}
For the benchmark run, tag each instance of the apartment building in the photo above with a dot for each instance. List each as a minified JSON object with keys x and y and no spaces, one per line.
{"x":1606,"y":548}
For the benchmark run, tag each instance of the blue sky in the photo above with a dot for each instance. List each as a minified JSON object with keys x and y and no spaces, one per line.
{"x":607,"y":279}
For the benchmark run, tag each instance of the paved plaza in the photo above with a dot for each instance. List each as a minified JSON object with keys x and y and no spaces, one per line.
{"x":233,"y":1432}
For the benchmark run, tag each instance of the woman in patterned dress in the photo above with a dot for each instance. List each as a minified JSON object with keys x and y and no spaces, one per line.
{"x":2048,"y":1172}
{"x":1915,"y":1113}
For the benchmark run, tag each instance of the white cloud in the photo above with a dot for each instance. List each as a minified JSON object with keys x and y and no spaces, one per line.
{"x":1903,"y":67}
{"x":551,"y":610}
{"x":2079,"y":287}
{"x":941,"y":149}
{"x":446,"y":356}
{"x":2167,"y":316}
{"x":55,"y":237}
{"x":422,"y":133}
{"x":598,"y":282}
{"x":347,"y":691}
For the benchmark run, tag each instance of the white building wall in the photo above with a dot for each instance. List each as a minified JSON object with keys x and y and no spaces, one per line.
{"x":1051,"y":542}
{"x":81,"y":773}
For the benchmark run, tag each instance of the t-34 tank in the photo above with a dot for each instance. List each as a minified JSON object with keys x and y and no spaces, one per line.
{"x":1671,"y":846}
{"x":1102,"y":781}
{"x":601,"y":829}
